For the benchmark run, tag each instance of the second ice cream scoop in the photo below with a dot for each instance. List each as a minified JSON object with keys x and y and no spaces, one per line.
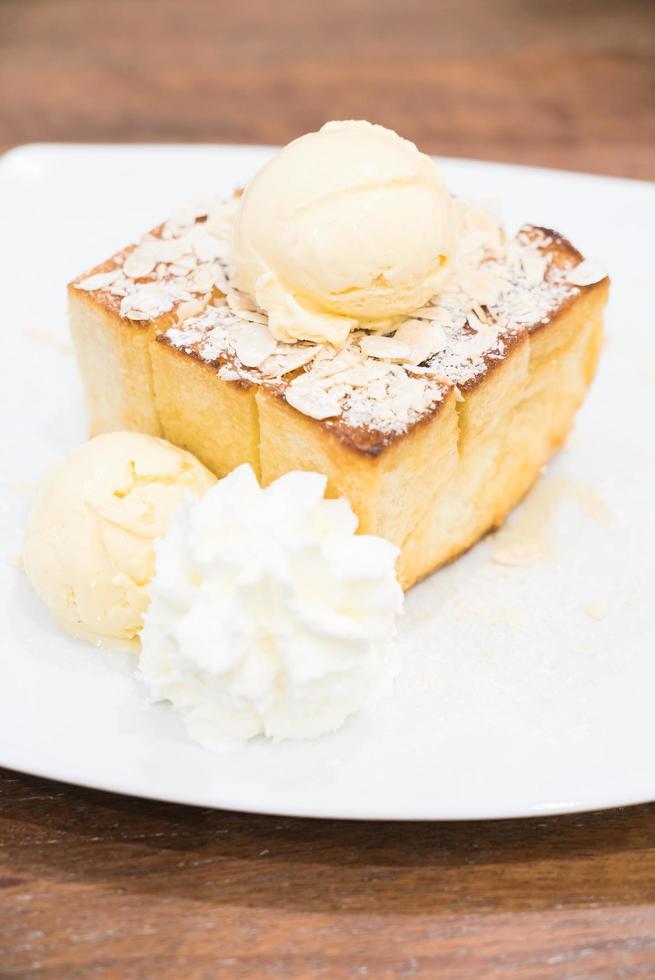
{"x":89,"y":549}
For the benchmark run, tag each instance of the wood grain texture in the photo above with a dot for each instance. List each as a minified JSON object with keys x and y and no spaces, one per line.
{"x":98,"y":885}
{"x":95,"y":885}
{"x":558,"y":83}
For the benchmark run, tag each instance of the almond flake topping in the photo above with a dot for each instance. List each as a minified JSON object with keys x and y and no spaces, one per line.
{"x":586,"y":273}
{"x":98,"y":281}
{"x":139,"y":263}
{"x":185,"y":261}
{"x":146,"y":303}
{"x":187,"y":309}
{"x":381,"y":382}
{"x":480,"y":285}
{"x":207,"y":247}
{"x":534,"y":267}
{"x":288,"y":358}
{"x":385,"y":347}
{"x":312,"y":401}
{"x":423,"y":339}
{"x":255,"y":343}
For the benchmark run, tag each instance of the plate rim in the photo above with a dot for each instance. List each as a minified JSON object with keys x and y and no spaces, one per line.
{"x":618,"y":798}
{"x":32,"y":148}
{"x":562,"y":808}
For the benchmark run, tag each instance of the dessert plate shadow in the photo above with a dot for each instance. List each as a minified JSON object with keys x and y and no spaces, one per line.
{"x":528,"y":673}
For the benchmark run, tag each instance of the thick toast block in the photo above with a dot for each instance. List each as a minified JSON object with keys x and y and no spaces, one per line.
{"x":433,"y":433}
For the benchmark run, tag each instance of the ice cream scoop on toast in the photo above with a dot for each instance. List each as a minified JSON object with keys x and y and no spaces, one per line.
{"x":433,"y":425}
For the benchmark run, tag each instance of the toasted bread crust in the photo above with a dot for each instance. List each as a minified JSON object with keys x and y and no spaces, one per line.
{"x":433,"y":486}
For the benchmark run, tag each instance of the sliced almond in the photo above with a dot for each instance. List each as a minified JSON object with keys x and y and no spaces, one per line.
{"x":202,"y":280}
{"x":98,"y":281}
{"x":586,"y":273}
{"x":220,"y":278}
{"x":220,"y":218}
{"x":192,"y":307}
{"x":480,"y":313}
{"x":435,"y":313}
{"x":534,"y":268}
{"x":187,"y":261}
{"x":168,"y":250}
{"x":186,"y":215}
{"x":139,"y":263}
{"x":227,"y":373}
{"x":312,"y":400}
{"x":284,"y":362}
{"x":146,"y":303}
{"x":444,"y":315}
{"x":206,"y":247}
{"x":255,"y":343}
{"x":237,"y":300}
{"x":423,"y":338}
{"x":251,"y":316}
{"x":480,"y":285}
{"x":329,"y":363}
{"x":385,"y":348}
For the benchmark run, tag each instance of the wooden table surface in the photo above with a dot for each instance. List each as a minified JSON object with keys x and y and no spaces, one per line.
{"x":104,"y":886}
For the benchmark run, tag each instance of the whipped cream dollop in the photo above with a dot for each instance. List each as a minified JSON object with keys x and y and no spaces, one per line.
{"x":268,"y":614}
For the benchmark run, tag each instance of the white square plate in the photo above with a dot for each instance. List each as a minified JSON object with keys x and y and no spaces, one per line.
{"x":525,"y":690}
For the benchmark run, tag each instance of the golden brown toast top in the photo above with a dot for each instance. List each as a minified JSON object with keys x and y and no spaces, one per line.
{"x":376,"y":388}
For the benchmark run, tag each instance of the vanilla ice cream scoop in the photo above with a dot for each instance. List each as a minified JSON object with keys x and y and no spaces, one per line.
{"x":89,"y":549}
{"x":348,"y":226}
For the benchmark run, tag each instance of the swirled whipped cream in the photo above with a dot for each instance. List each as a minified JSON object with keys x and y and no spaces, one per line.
{"x":268,"y":614}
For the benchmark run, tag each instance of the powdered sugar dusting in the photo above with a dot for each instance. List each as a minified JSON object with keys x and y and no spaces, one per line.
{"x":379,"y":382}
{"x":185,"y":261}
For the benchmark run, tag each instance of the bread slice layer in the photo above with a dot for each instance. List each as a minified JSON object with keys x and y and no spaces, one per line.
{"x":433,"y":443}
